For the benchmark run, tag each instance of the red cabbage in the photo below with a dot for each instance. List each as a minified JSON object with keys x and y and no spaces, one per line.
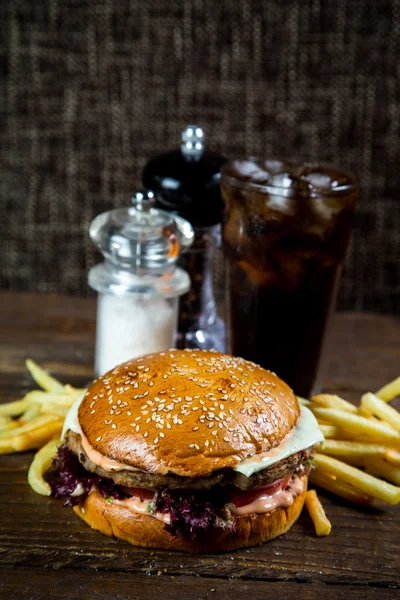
{"x":192,"y":514}
{"x":66,"y":473}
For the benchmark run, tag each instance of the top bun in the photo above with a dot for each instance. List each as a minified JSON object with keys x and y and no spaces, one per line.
{"x":187,"y":412}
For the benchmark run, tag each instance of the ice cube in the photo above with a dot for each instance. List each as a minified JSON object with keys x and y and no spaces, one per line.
{"x":321,"y":181}
{"x":248,"y":170}
{"x":283,"y":180}
{"x":274,"y":166}
{"x":291,"y":186}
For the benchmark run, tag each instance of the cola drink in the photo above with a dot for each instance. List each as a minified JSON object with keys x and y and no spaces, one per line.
{"x":286,"y":229}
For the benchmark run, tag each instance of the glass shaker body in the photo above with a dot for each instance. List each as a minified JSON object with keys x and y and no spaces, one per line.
{"x":138,"y":284}
{"x":134,"y":323}
{"x":198,"y":323}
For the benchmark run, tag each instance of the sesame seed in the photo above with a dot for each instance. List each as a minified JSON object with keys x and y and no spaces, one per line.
{"x":195,"y":428}
{"x":98,"y":439}
{"x":206,"y":443}
{"x":214,"y":432}
{"x":155,"y":441}
{"x":114,"y":426}
{"x":162,"y":434}
{"x":226,"y":439}
{"x":146,"y":433}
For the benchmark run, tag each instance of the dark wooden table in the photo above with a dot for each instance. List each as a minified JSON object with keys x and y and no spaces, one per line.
{"x":47,"y":552}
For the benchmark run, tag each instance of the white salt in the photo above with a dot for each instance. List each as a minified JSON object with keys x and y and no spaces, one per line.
{"x":129,"y":326}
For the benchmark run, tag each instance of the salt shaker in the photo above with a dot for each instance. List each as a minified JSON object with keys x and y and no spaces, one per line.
{"x":186,"y":182}
{"x":139,"y":282}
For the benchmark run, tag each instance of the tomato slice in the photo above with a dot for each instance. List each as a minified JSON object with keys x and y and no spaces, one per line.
{"x":241,"y":498}
{"x":142,"y":493}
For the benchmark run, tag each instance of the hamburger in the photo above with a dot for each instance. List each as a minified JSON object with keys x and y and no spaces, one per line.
{"x":187,"y":450}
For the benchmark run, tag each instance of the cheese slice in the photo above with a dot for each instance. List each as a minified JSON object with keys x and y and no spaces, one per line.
{"x":71,"y":420}
{"x":305,"y":434}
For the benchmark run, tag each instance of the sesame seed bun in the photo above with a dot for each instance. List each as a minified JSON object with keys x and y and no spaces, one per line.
{"x":187,"y":412}
{"x":147,"y":532}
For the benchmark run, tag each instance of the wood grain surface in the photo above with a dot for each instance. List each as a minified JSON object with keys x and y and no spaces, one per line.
{"x":43,"y":544}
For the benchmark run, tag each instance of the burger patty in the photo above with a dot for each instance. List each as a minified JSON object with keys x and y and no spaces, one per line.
{"x":222,"y":477}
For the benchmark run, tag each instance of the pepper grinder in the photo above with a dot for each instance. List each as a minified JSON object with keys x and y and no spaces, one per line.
{"x":186,"y":182}
{"x":139,"y":282}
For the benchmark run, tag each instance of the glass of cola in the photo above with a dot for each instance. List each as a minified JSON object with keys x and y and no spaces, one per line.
{"x":286,"y":229}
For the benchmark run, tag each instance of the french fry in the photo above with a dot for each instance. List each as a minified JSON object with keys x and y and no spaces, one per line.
{"x":40,"y":464}
{"x":381,"y":468}
{"x":393,"y":457}
{"x":6,"y":427}
{"x":4,"y":421}
{"x":378,"y":407}
{"x":316,"y":511}
{"x":31,"y":435}
{"x":72,"y":390}
{"x":349,"y":449}
{"x":329,"y":431}
{"x":39,"y":397}
{"x":339,"y":488}
{"x":303,"y":401}
{"x":55,"y":408}
{"x":389,"y":391}
{"x":333,"y":401}
{"x":14,"y":409}
{"x":359,"y":426}
{"x":362,"y":481}
{"x":43,"y":378}
{"x":31,"y":413}
{"x":30,"y":425}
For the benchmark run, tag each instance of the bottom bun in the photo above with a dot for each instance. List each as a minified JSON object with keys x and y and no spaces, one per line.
{"x":148,"y":532}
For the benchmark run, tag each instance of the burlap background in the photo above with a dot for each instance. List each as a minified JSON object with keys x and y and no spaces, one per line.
{"x":91,"y":89}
